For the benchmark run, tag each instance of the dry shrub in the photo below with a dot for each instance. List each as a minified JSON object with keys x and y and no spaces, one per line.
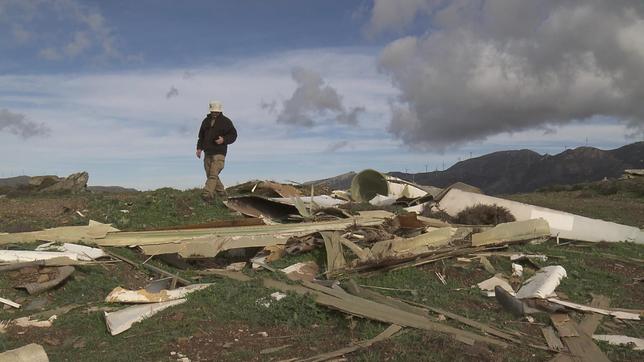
{"x":484,"y":215}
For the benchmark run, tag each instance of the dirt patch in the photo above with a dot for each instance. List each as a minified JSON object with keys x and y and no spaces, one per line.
{"x":418,"y":345}
{"x":32,"y":275}
{"x":633,"y":291}
{"x":237,"y":341}
{"x":29,"y":214}
{"x":48,"y":337}
{"x":129,"y":276}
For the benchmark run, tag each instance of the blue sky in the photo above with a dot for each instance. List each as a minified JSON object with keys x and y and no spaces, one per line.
{"x":315,"y":88}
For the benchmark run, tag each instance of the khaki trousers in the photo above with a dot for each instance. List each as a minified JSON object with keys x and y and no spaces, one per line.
{"x":213,"y":164}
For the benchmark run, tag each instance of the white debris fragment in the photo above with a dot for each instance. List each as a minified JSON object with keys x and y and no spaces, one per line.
{"x":543,"y":284}
{"x":236,"y":266}
{"x":487,"y":286}
{"x":32,"y":352}
{"x":9,"y":302}
{"x":121,"y":295}
{"x":521,"y":256}
{"x":517,"y":270}
{"x":382,"y":201}
{"x":613,"y":313}
{"x":621,"y":340}
{"x":265,"y":301}
{"x":84,"y":253}
{"x":26,"y":322}
{"x":278,"y":296}
{"x":23,"y":256}
{"x":122,"y":320}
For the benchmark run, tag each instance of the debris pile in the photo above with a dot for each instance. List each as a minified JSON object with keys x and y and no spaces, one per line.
{"x":355,"y":244}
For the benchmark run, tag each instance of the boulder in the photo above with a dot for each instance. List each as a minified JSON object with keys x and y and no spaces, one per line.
{"x":76,"y":182}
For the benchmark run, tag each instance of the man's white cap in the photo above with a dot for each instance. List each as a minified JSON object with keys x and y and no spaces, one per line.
{"x":215,"y":106}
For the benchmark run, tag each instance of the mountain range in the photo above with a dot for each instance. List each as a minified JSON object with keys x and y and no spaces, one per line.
{"x":508,"y":172}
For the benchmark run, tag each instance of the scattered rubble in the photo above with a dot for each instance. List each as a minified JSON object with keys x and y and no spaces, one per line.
{"x":360,"y":243}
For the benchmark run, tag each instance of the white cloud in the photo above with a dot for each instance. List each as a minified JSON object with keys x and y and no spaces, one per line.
{"x":123,"y":121}
{"x":123,"y":133}
{"x":314,"y":99}
{"x":75,"y":28}
{"x":497,"y":66}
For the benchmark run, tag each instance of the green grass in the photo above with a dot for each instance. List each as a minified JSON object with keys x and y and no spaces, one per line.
{"x":160,"y":208}
{"x":600,"y":269}
{"x":164,"y":207}
{"x":620,"y":201}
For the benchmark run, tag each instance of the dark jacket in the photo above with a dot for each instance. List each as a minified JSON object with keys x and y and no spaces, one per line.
{"x":210,"y":131}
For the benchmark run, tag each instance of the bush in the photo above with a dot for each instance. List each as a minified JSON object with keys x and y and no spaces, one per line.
{"x":484,"y":215}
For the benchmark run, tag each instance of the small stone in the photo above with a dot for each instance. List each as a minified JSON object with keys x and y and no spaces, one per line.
{"x":227,"y":345}
{"x":184,"y":359}
{"x":42,"y":278}
{"x":263,"y":334}
{"x":441,"y":317}
{"x":173,"y":353}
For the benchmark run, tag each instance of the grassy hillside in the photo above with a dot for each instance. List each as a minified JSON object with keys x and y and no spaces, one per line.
{"x":227,"y":322}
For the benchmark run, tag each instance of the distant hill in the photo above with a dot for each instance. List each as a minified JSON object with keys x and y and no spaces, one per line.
{"x":111,"y":189}
{"x":14,"y":181}
{"x":508,"y":172}
{"x":340,"y":182}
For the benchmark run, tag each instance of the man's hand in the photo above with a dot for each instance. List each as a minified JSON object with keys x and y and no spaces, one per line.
{"x":198,"y":153}
{"x":219,"y":140}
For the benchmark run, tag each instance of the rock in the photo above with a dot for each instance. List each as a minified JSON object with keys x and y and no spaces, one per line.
{"x":40,"y":182}
{"x":76,"y":182}
{"x":42,"y":278}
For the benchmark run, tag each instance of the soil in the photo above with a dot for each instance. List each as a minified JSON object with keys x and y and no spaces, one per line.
{"x":22,"y":214}
{"x":129,"y":276}
{"x":237,"y":341}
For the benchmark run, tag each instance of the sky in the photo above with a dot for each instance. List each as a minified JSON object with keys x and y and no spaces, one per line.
{"x":315,"y":88}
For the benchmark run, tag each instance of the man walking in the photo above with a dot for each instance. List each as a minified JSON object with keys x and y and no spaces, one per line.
{"x":216,"y":133}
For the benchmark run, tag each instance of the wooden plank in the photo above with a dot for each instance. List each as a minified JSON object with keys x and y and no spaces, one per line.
{"x":553,"y":341}
{"x":334,"y":257}
{"x":582,"y":347}
{"x":361,"y":307}
{"x":561,"y":322}
{"x":589,"y":324}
